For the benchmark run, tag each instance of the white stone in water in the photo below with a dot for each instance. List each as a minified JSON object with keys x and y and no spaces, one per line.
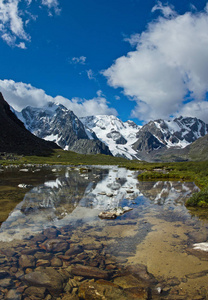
{"x":24,"y":170}
{"x":201,"y":246}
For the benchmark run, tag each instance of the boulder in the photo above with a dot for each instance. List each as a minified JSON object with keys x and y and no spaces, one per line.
{"x":89,"y":272}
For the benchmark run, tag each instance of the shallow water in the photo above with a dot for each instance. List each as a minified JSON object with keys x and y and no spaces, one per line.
{"x":55,"y":231}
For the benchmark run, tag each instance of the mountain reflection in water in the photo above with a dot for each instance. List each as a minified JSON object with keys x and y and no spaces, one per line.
{"x":81,"y":196}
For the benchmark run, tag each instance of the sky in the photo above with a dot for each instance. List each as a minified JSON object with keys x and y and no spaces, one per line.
{"x":135,"y":59}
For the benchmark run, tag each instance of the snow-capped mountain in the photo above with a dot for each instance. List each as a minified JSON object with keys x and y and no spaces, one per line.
{"x":118,"y":135}
{"x":109,"y":135}
{"x":177,"y":133}
{"x":54,"y":122}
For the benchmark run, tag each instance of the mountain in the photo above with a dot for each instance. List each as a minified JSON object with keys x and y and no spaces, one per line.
{"x":15,"y":138}
{"x":155,"y":138}
{"x":196,"y":151}
{"x":54,"y":122}
{"x":118,"y":135}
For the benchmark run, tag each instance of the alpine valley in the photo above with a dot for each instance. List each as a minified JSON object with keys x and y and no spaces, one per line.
{"x":157,"y":140}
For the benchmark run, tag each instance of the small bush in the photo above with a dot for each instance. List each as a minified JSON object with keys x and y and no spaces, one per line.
{"x":199,"y":199}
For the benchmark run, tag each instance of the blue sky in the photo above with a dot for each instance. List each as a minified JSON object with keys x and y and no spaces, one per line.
{"x":136,"y":59}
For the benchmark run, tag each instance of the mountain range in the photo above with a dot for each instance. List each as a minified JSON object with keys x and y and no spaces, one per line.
{"x":107,"y":134}
{"x":158,"y":140}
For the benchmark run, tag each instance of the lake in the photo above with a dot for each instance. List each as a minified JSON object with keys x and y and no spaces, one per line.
{"x":54,"y":245}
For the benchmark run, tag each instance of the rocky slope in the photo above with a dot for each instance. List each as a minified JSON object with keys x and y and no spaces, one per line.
{"x":168,"y":138}
{"x":118,"y":135}
{"x":196,"y":151}
{"x":107,"y":134}
{"x":15,"y":138}
{"x":56,"y":123}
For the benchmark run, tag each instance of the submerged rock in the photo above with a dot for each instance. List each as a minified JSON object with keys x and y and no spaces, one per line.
{"x":47,"y":278}
{"x":113,"y":214}
{"x":89,"y":272}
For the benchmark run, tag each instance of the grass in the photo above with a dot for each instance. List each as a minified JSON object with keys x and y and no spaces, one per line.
{"x":187,"y":171}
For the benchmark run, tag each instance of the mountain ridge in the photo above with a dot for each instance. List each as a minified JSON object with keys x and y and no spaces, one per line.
{"x":107,"y":134}
{"x":15,"y":138}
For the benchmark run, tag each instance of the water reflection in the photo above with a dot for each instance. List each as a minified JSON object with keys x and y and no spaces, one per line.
{"x":57,"y":244}
{"x":80,"y":194}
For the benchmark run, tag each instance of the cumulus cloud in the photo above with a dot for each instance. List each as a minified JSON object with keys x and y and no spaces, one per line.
{"x":19,"y":95}
{"x":170,"y":62}
{"x":13,"y":20}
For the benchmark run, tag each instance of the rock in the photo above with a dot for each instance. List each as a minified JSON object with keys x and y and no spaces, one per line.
{"x":38,"y":292}
{"x":56,"y":262}
{"x":197,"y":236}
{"x":55,"y":245}
{"x":47,"y":278}
{"x":107,"y":215}
{"x":140,"y":271}
{"x":3,"y":274}
{"x":128,"y":281}
{"x":43,"y":263}
{"x":100,"y":291}
{"x":51,"y":233}
{"x":39,"y":238}
{"x":6,"y":282}
{"x":89,"y":272}
{"x":93,"y":246}
{"x":137,"y":293}
{"x":26,"y":261}
{"x":13,"y":295}
{"x":29,"y":251}
{"x":113,"y":214}
{"x":76,"y":249}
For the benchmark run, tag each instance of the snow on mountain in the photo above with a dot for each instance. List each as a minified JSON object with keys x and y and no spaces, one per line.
{"x":118,"y":135}
{"x":54,"y":122}
{"x":107,"y":134}
{"x":181,"y":131}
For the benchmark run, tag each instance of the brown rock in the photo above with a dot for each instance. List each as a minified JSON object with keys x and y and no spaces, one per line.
{"x":56,"y":262}
{"x":137,"y":293}
{"x":43,"y":263}
{"x":128,"y":281}
{"x":51,"y":233}
{"x":74,"y":249}
{"x":26,"y":261}
{"x":140,"y":271}
{"x":38,"y":292}
{"x":100,"y":291}
{"x":5,"y":283}
{"x":89,"y":272}
{"x":55,"y":245}
{"x":47,"y":278}
{"x":13,"y":295}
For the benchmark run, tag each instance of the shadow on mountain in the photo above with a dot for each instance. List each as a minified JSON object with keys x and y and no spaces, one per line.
{"x":15,"y":138}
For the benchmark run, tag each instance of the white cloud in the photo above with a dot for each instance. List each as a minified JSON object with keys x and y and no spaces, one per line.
{"x":13,"y":20}
{"x":52,"y":4}
{"x":198,"y":109}
{"x":169,"y":63}
{"x":20,"y":95}
{"x":167,"y":10}
{"x":78,"y":60}
{"x":90,"y":74}
{"x":83,"y":107}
